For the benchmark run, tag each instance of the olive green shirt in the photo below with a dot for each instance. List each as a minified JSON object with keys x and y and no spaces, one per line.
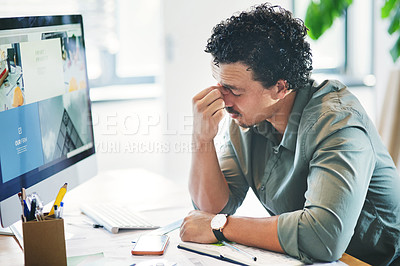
{"x":330,"y":178}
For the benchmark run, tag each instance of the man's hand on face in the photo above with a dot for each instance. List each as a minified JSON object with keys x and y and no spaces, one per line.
{"x":196,"y":227}
{"x":208,"y":111}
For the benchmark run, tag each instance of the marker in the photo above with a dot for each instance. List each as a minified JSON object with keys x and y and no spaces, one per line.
{"x":33,"y":210}
{"x":61,"y":210}
{"x":59,"y":198}
{"x":238,"y":249}
{"x":56,"y":212}
{"x":39,"y":205}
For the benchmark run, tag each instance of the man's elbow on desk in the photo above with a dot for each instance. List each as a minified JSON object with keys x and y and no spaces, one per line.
{"x":310,"y":242}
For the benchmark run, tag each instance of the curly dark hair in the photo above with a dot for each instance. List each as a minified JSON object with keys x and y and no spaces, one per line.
{"x":269,"y":41}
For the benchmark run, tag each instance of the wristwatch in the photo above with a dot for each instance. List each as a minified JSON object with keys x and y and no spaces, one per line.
{"x":217,"y":224}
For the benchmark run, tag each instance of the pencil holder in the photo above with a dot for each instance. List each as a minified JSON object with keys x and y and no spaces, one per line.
{"x":44,"y":242}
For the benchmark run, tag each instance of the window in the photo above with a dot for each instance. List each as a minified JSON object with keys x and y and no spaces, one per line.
{"x":344,"y":49}
{"x":123,"y":41}
{"x":333,"y":41}
{"x":124,"y":46}
{"x":122,"y":38}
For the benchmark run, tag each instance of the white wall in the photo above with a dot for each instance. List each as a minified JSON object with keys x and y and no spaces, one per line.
{"x":187,"y":25}
{"x":383,"y":61}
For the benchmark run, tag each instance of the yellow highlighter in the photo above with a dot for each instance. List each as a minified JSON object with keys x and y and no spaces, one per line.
{"x":59,"y":198}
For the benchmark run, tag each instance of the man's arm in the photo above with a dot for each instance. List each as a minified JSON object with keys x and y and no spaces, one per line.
{"x":207,"y":185}
{"x":255,"y":232}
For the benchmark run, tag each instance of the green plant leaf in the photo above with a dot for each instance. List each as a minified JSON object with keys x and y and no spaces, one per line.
{"x":387,"y":8}
{"x":320,"y":16}
{"x":395,"y":23}
{"x":395,"y":51}
{"x":313,"y":21}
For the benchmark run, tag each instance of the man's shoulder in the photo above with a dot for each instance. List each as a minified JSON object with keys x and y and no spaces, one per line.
{"x":333,"y":97}
{"x":326,"y":87}
{"x":331,"y":102}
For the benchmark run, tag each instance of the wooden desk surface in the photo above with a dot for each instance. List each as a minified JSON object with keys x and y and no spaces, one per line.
{"x":350,"y":260}
{"x":108,"y":188}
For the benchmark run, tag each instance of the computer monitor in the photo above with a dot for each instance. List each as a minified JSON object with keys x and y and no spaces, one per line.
{"x":46,"y":132}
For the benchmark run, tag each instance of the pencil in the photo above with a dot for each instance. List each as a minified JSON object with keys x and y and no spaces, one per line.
{"x":59,"y":198}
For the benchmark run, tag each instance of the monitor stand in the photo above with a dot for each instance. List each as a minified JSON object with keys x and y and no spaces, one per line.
{"x":6,"y":231}
{"x":16,"y":228}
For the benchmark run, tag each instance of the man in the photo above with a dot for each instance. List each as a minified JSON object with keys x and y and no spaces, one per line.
{"x":309,"y":152}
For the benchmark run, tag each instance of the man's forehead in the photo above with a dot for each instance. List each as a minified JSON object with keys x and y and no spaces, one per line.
{"x":231,"y":72}
{"x":229,"y":78}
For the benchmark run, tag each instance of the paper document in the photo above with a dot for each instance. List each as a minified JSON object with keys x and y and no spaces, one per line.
{"x":226,"y":253}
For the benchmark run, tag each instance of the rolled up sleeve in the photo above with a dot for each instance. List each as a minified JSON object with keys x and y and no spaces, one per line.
{"x":341,"y":162}
{"x":237,"y":183}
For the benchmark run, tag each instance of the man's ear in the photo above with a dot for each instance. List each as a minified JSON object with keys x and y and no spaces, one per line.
{"x":283,"y":90}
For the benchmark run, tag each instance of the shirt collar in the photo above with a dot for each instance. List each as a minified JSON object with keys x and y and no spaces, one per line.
{"x":289,"y":138}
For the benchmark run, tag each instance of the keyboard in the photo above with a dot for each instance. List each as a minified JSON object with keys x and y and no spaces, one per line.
{"x":114,"y":217}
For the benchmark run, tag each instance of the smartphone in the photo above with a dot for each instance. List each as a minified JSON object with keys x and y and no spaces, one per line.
{"x":151,"y":245}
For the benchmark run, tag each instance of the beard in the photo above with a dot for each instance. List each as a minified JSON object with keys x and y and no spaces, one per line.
{"x":234,"y":112}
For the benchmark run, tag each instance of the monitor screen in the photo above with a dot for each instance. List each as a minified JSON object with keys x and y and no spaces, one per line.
{"x":46,"y":133}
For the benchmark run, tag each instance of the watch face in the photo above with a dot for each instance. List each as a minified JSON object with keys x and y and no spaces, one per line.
{"x":218,"y":221}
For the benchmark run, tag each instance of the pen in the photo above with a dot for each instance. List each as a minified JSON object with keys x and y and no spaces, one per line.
{"x":239,"y":250}
{"x":23,"y":193}
{"x":26,"y":211}
{"x":59,"y":198}
{"x":38,"y":218}
{"x":96,"y":225}
{"x":23,"y":206}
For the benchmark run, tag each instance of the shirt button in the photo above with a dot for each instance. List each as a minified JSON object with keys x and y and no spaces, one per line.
{"x":262,"y":188}
{"x":275,"y":150}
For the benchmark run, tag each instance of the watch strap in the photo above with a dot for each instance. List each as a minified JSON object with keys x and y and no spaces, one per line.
{"x":219,"y":235}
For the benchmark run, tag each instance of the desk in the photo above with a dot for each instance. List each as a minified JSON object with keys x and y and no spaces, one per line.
{"x":153,"y":196}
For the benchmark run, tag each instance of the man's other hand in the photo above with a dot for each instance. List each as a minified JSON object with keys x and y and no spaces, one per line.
{"x":208,"y":111}
{"x":196,"y":227}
